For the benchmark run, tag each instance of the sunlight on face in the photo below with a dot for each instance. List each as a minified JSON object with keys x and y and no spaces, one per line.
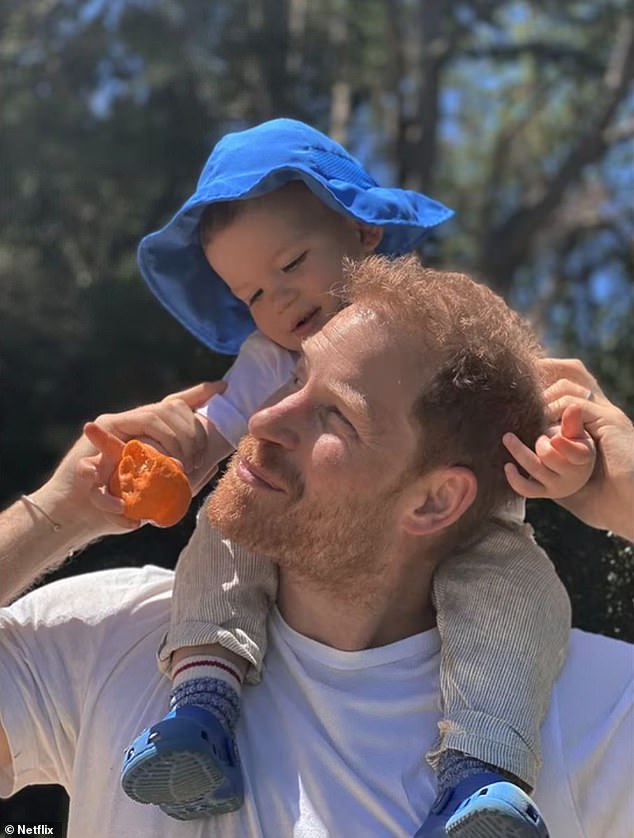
{"x":315,"y":483}
{"x":282,"y":256}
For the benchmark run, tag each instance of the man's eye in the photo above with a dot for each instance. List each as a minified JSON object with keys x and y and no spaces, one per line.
{"x":335,"y":413}
{"x":255,"y":297}
{"x":295,"y":263}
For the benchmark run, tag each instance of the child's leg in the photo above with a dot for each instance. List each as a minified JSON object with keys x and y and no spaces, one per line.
{"x":504,"y":619}
{"x":188,"y":763}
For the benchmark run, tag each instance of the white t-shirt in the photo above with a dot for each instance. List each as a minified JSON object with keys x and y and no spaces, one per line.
{"x":261,"y":368}
{"x":332,"y":742}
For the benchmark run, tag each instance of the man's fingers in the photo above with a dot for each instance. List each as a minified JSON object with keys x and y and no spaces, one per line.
{"x":107,"y":503}
{"x":87,"y":469}
{"x":105,"y":442}
{"x":197,"y":395}
{"x":571,"y":369}
{"x":96,"y":471}
{"x":590,"y":410}
{"x":564,"y":387}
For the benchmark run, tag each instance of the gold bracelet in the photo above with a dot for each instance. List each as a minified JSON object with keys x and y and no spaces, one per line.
{"x":29,"y":500}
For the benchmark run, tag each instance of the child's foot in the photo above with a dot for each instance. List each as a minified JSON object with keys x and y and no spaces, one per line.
{"x":497,"y":810}
{"x":188,"y":763}
{"x":484,"y":806}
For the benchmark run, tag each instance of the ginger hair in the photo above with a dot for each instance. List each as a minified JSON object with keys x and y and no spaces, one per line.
{"x":479,"y":376}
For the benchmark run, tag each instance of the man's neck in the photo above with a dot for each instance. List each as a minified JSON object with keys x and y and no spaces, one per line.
{"x":360,"y":619}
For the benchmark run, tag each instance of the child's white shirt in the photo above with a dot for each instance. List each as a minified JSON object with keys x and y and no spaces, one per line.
{"x":261,"y":368}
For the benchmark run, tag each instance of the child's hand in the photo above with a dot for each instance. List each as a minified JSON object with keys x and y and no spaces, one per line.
{"x":561,"y":464}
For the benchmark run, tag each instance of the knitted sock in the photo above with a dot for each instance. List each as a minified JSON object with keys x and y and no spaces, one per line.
{"x":455,"y":766}
{"x":210,"y":683}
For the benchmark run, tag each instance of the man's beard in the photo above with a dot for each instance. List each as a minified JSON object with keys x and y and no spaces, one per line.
{"x":339,"y":544}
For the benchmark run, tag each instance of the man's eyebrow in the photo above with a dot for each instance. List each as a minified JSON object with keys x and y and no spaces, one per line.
{"x":348,"y":395}
{"x":357,"y":402}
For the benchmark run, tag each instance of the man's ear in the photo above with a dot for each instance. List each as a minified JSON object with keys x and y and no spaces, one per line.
{"x":369,"y":236}
{"x":437,"y":500}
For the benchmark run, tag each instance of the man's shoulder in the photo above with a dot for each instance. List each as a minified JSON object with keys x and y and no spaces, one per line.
{"x":584,"y":787}
{"x":595,"y":657}
{"x":596,"y":683}
{"x":97,"y":596}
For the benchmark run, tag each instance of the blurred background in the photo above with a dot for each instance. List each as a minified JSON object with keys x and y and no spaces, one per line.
{"x":519,"y":115}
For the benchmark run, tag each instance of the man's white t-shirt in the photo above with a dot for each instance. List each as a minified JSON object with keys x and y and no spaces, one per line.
{"x":332,"y":742}
{"x":261,"y":368}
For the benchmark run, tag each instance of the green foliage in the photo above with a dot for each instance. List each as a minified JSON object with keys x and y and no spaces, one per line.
{"x":597,"y":569}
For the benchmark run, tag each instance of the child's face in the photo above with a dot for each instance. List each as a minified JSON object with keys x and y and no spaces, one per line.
{"x":282,"y":255}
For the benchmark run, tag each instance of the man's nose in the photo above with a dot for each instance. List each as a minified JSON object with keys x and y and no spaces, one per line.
{"x":279,"y":423}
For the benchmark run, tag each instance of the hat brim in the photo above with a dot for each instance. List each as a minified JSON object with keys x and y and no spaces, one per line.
{"x":174,"y":266}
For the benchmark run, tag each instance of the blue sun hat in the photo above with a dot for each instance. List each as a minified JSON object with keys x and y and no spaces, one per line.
{"x":250,"y":163}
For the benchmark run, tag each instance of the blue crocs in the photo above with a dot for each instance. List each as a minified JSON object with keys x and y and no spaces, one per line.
{"x":187,"y":763}
{"x":498,"y":810}
{"x":484,"y":806}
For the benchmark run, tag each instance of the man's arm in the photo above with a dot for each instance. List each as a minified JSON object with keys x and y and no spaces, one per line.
{"x":72,"y":508}
{"x":30,"y":546}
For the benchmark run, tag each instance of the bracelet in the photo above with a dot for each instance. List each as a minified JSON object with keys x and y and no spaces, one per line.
{"x":29,"y":500}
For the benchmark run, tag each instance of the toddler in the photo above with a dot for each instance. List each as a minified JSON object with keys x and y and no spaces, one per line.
{"x":248,"y":265}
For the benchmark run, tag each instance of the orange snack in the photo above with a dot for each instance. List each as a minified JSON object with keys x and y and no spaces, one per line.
{"x":152,"y":485}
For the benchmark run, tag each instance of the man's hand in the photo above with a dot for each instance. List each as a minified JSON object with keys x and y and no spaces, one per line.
{"x":606,"y":501}
{"x":77,"y":489}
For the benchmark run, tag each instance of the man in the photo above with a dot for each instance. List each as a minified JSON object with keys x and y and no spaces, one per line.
{"x":339,"y":483}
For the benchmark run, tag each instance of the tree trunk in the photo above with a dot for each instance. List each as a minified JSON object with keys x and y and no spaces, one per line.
{"x":509,"y":245}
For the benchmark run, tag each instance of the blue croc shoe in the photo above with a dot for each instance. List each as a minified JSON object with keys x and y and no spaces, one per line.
{"x":484,"y":806}
{"x":498,"y":810}
{"x":187,"y":763}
